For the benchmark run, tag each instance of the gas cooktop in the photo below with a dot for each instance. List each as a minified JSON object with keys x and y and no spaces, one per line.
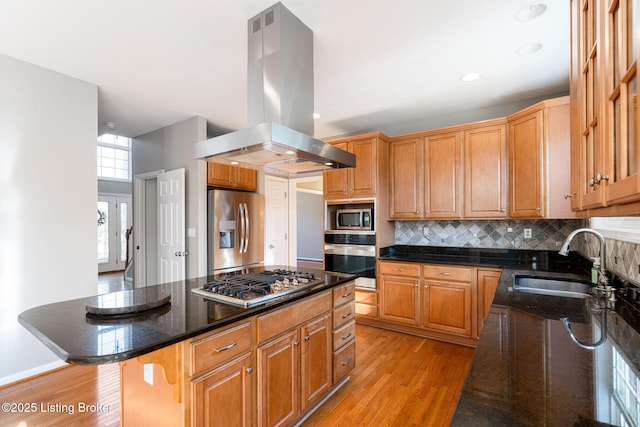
{"x":254,"y":288}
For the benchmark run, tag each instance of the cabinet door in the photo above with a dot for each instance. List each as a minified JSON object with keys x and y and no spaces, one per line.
{"x":485,"y":158}
{"x":443,"y":176}
{"x":446,"y":306}
{"x":400,"y":300}
{"x":487,"y":281}
{"x":405,"y":179}
{"x":623,"y":180}
{"x":224,"y":397}
{"x":219,"y":175}
{"x":316,"y":363}
{"x":335,"y":182}
{"x":362,"y":179}
{"x":587,"y":69}
{"x":278,"y":380}
{"x":525,"y":166}
{"x":246,"y":179}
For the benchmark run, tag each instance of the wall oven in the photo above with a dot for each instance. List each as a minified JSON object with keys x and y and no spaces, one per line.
{"x":352,"y":253}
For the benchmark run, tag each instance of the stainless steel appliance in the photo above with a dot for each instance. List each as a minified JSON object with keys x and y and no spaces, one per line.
{"x":353,"y":254}
{"x":354,"y":219}
{"x":235,"y":230}
{"x":249,"y":288}
{"x":280,"y":104}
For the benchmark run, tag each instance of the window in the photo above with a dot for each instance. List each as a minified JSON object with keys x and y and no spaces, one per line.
{"x":624,"y":228}
{"x":114,"y":158}
{"x":626,"y":388}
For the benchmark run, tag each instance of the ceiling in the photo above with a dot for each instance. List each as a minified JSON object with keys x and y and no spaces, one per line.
{"x":390,"y":65}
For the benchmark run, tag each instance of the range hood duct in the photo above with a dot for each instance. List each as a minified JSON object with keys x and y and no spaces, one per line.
{"x":280,"y":104}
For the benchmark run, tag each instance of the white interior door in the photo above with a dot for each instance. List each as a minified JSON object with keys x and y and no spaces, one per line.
{"x":171,"y":226}
{"x":276,"y":221}
{"x":114,"y":218}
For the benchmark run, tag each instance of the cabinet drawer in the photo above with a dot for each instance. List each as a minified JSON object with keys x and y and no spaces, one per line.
{"x":220,"y":347}
{"x":367,"y":297}
{"x":274,"y":323}
{"x":343,"y":294}
{"x":343,"y":314}
{"x":344,"y":360}
{"x":399,"y":269}
{"x":344,"y":335}
{"x":445,"y":272}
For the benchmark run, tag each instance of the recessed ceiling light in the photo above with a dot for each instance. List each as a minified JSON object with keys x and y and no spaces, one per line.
{"x":531,"y":11}
{"x":316,"y":115}
{"x":469,"y":77}
{"x":528,"y":49}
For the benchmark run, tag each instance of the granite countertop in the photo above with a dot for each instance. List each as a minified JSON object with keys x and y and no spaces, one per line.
{"x":526,"y":370}
{"x":82,"y":338}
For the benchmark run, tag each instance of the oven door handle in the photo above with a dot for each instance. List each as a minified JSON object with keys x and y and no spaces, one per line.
{"x":355,"y":250}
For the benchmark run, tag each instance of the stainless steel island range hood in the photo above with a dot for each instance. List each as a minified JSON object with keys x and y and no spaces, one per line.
{"x":280,"y":104}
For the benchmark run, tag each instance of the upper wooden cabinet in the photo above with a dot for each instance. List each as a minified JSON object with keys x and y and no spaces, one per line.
{"x":221,"y":175}
{"x":426,"y":176}
{"x":605,"y":116}
{"x":485,"y":160}
{"x":426,"y":173}
{"x":539,"y":158}
{"x":364,"y":179}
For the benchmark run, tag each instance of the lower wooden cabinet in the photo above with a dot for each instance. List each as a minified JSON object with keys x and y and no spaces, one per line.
{"x":267,"y":370}
{"x":439,"y":301}
{"x":295,"y":372}
{"x":224,"y":397}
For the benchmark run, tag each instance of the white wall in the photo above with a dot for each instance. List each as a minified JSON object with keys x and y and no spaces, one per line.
{"x":172,"y":147}
{"x":48,"y":196}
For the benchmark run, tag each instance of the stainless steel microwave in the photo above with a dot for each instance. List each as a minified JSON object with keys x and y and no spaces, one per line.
{"x":354,"y":219}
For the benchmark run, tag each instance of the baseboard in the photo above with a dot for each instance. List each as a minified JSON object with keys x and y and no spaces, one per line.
{"x":18,"y":377}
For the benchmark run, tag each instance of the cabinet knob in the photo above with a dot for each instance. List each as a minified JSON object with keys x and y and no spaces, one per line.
{"x":296,"y":342}
{"x":426,"y":286}
{"x":568,"y":196}
{"x":538,"y":209}
{"x":306,"y":338}
{"x":249,"y":370}
{"x":417,"y":284}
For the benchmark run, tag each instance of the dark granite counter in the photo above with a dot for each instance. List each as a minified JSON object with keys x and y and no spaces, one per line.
{"x":526,"y":369}
{"x":82,"y":338}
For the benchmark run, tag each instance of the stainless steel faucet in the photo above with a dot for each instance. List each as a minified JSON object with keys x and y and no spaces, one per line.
{"x":564,"y":250}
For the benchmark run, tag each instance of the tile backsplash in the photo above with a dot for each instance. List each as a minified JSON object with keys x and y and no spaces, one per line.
{"x":504,"y":234}
{"x":623,"y":258}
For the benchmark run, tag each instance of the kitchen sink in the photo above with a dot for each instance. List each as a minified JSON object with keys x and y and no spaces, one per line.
{"x":553,"y":286}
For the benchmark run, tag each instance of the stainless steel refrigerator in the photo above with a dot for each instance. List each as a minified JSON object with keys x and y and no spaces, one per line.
{"x":236,"y":230}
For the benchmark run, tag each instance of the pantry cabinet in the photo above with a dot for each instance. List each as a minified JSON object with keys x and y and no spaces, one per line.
{"x":605,"y":116}
{"x":363,"y":180}
{"x":234,"y":177}
{"x":539,"y":158}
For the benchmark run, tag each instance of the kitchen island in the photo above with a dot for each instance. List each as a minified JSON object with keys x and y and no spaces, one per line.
{"x":195,"y":361}
{"x":527,"y":370}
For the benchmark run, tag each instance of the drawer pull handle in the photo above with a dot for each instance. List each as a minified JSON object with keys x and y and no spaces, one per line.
{"x":445,"y":273}
{"x":344,"y":316}
{"x":346,"y":337}
{"x":346,"y":362}
{"x":220,"y":350}
{"x":398,"y":269}
{"x":348,"y":294}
